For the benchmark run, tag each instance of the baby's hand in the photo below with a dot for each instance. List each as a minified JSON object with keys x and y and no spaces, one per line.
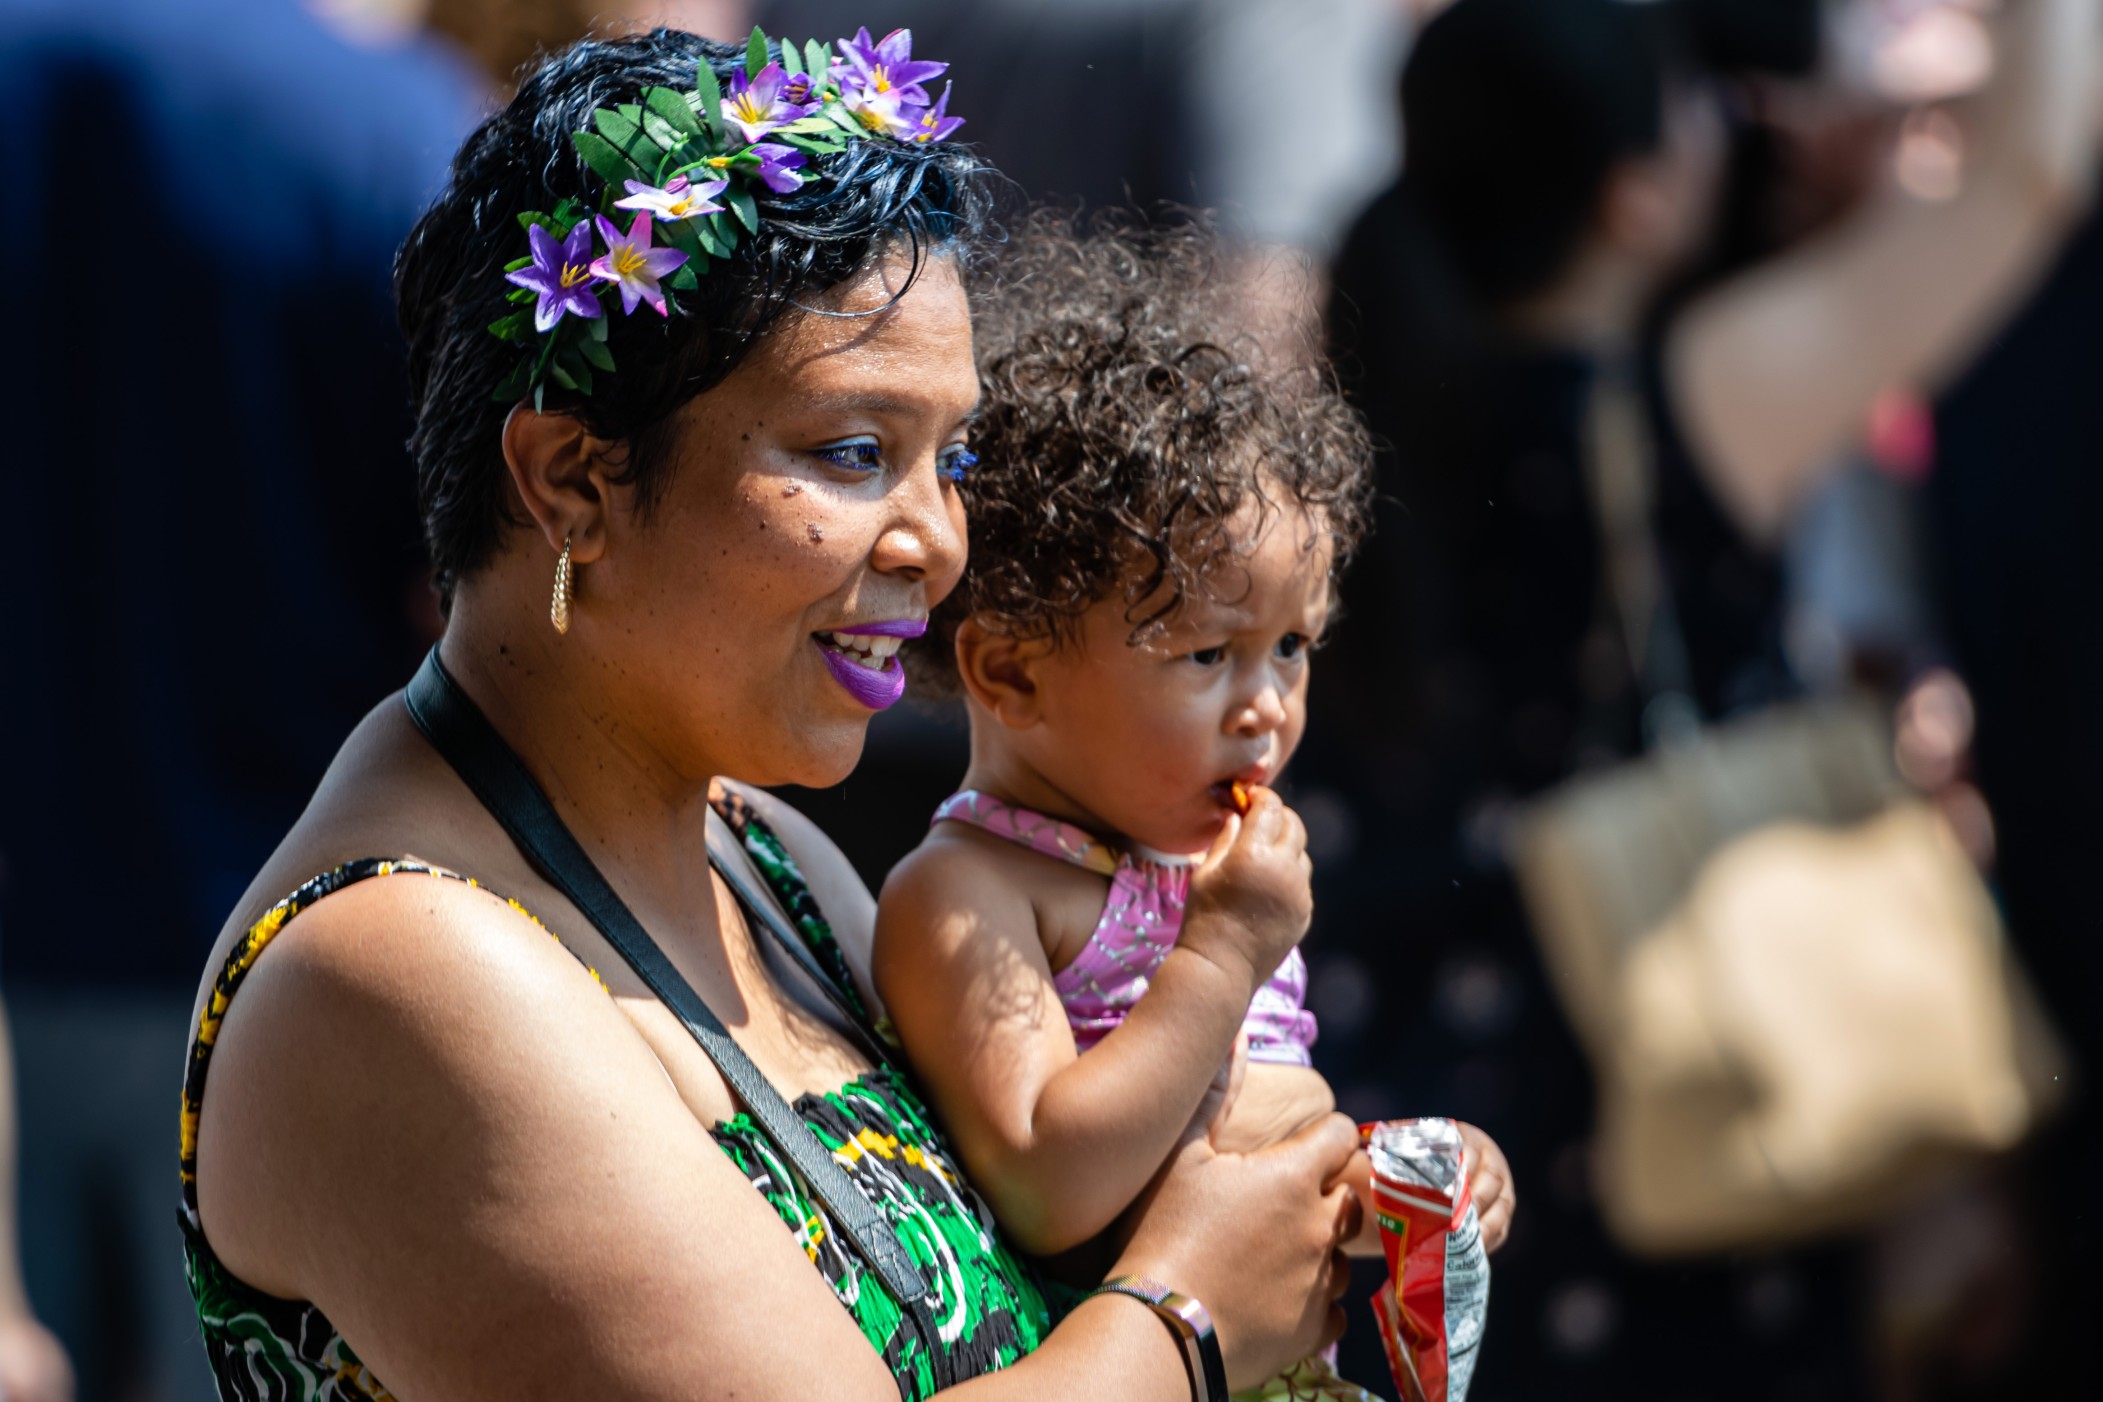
{"x":1252,"y":896}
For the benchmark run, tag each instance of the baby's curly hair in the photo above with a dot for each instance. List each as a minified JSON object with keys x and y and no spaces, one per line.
{"x":1128,"y":415}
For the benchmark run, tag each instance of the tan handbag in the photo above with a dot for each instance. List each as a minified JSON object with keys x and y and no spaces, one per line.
{"x":1793,"y":987}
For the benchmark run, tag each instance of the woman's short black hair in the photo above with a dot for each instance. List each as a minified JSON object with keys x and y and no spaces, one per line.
{"x":873,"y":198}
{"x":1516,"y":111}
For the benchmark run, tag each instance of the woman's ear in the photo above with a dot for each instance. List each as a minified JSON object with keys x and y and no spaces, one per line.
{"x":559,"y":471}
{"x":1000,"y":672}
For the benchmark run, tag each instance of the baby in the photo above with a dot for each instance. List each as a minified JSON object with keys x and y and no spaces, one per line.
{"x":1155,"y":522}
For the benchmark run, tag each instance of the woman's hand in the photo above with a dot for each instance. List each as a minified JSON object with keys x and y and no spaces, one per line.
{"x":1257,"y":1239}
{"x":1253,"y":895}
{"x":1490,"y":1180}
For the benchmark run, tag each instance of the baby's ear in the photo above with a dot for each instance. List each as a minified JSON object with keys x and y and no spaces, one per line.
{"x":999,"y":672}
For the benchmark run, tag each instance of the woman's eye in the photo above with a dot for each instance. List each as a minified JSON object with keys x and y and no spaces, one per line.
{"x":1292,"y":645}
{"x":856,"y":454}
{"x":956,"y":464}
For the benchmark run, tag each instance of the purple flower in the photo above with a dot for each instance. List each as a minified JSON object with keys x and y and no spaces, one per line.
{"x":759,"y":105}
{"x":634,"y":265}
{"x":885,"y":113}
{"x":678,"y":200}
{"x":561,"y":274}
{"x":935,"y":122}
{"x":885,"y":67}
{"x":778,"y":165}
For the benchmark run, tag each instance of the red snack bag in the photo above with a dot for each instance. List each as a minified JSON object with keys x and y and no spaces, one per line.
{"x":1431,"y":1310}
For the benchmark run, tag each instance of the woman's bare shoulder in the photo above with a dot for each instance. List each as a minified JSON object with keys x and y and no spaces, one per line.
{"x":419,"y":1099}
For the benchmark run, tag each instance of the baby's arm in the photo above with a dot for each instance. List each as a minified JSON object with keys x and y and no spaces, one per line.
{"x":1060,"y":1143}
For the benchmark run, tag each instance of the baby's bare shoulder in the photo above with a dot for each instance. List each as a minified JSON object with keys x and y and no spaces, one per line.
{"x":974,"y":882}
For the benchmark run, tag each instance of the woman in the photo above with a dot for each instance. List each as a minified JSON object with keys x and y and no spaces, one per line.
{"x":425,"y":1147}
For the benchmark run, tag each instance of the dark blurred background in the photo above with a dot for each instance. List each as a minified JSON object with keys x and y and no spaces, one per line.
{"x":1834,"y":259}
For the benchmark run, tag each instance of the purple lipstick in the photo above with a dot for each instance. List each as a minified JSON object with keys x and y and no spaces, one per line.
{"x":864,"y":659}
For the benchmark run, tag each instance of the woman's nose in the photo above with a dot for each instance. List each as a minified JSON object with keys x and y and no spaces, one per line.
{"x":924,"y":541}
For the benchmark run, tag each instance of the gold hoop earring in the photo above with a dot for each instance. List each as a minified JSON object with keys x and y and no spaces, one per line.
{"x":559,"y":611}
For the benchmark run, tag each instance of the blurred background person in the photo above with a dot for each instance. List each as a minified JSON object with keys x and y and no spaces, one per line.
{"x":1597,"y":202}
{"x":33,"y":1366}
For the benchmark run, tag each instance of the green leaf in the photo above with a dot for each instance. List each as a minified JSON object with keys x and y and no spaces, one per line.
{"x":600,"y":154}
{"x":572,"y":363}
{"x":742,"y":206}
{"x":667,"y":136}
{"x":633,"y":111}
{"x":672,"y":107}
{"x":522,"y":294}
{"x":523,"y":261}
{"x":683,"y":279}
{"x":791,"y":61}
{"x":809,"y":126}
{"x":716,"y":239}
{"x":595,"y":351}
{"x":816,"y":146}
{"x":708,"y":90}
{"x":512,"y":387}
{"x":528,"y":218}
{"x":844,"y":120}
{"x":560,"y":376}
{"x":817,"y":60}
{"x":512,"y":327}
{"x":755,"y":52}
{"x":540,"y":394}
{"x":597,"y":326}
{"x":679,"y":233}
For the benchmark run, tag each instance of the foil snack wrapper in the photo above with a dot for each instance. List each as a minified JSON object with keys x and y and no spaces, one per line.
{"x":1432,"y":1309}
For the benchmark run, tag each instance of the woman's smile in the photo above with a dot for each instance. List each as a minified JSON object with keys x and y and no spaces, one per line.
{"x":864,"y":658}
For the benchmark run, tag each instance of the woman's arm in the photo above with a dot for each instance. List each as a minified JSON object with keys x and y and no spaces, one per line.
{"x":1060,"y":1143}
{"x":426,"y":1118}
{"x":1772,"y":372}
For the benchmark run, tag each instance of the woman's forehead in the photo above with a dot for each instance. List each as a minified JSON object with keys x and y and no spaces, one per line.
{"x":885,"y":332}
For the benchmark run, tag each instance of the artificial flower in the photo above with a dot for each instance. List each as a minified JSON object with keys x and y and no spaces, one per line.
{"x":760,"y":104}
{"x":886,"y":113}
{"x":632,"y":263}
{"x":679,"y":199}
{"x":561,"y":274}
{"x":935,"y":122}
{"x":884,"y":67}
{"x":778,"y":165}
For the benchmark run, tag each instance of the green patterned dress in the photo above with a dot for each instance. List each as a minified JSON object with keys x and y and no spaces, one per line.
{"x":988,"y":1310}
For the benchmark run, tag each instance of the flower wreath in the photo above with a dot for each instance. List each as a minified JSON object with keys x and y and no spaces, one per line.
{"x":687,"y":162}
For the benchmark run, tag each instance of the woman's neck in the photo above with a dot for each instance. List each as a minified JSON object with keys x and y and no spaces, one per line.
{"x":638,"y":814}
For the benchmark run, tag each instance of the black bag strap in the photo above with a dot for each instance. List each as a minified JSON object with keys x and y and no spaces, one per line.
{"x":459,"y":731}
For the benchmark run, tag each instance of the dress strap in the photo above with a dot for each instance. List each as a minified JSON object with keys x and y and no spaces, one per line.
{"x":1046,"y":836}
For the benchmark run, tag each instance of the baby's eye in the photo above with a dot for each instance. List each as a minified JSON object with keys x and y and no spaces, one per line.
{"x":1209,"y":656}
{"x":956,"y":464}
{"x":854,"y":454}
{"x":1294,"y":645}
